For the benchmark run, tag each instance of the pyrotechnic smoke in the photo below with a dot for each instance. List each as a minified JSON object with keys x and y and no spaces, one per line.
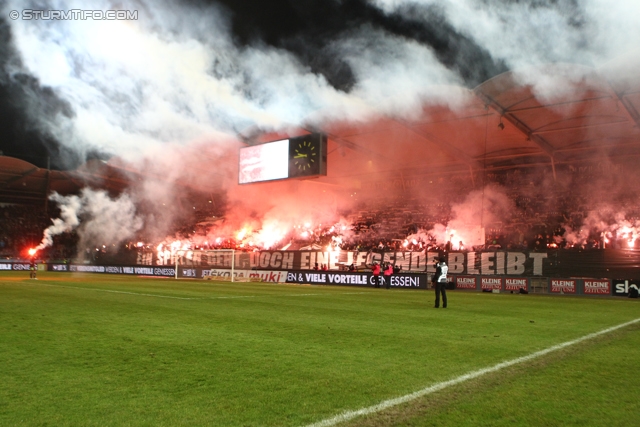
{"x":98,"y":219}
{"x":68,"y":221}
{"x":290,"y":209}
{"x":177,"y":77}
{"x":604,"y":227}
{"x":479,"y":210}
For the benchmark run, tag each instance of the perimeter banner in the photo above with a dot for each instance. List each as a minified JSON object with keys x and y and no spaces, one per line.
{"x":621,"y":287}
{"x":491,"y":283}
{"x":15,"y":266}
{"x":401,"y":280}
{"x":270,"y":276}
{"x":597,"y":287}
{"x":515,"y":284}
{"x":264,"y":275}
{"x":565,"y":286}
{"x":466,"y":282}
{"x":140,"y":270}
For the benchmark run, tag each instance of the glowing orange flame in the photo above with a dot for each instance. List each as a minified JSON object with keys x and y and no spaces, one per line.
{"x":32,"y":251}
{"x":241,"y":234}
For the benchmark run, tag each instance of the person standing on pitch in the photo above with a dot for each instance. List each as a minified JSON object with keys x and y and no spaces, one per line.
{"x":375,"y":268}
{"x":441,"y":283}
{"x":388,"y":271}
{"x":33,"y":268}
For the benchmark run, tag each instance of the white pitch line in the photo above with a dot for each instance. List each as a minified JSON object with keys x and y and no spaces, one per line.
{"x":186,"y":298}
{"x":349,"y":415}
{"x":284,"y":295}
{"x":118,"y":292}
{"x":306,"y":295}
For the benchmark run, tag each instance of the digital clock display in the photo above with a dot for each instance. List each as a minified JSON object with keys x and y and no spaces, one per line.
{"x":306,"y":155}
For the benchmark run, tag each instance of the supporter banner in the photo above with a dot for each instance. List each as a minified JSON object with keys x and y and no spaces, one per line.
{"x":567,"y":286}
{"x":6,"y":266}
{"x":516,"y":283}
{"x":469,"y":263}
{"x":598,"y":287}
{"x":401,"y":280}
{"x":466,"y":282}
{"x":491,"y":283}
{"x":621,"y":287}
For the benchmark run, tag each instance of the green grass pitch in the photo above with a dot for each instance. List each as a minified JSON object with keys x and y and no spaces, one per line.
{"x":98,"y":350}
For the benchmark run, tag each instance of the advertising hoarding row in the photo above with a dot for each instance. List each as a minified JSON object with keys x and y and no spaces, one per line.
{"x":569,"y":286}
{"x":554,"y":286}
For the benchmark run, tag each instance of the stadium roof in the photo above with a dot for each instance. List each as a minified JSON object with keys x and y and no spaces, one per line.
{"x":502,"y":124}
{"x":22,"y":182}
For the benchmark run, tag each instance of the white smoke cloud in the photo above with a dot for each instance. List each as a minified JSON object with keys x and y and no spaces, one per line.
{"x":524,"y":33}
{"x":132,"y":89}
{"x":529,"y":34}
{"x":137,"y":85}
{"x":98,"y":218}
{"x":68,"y":221}
{"x":396,"y":75}
{"x":175,"y":76}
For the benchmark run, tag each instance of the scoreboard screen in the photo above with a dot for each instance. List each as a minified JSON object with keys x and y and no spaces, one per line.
{"x":302,"y":156}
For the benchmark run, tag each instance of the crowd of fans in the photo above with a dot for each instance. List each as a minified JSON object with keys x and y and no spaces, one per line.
{"x":536,"y":220}
{"x":21,"y":228}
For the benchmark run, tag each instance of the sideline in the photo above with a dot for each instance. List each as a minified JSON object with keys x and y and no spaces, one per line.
{"x":349,"y":415}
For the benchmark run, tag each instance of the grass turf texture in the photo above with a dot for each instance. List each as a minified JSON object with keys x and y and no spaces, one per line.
{"x":107,"y":350}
